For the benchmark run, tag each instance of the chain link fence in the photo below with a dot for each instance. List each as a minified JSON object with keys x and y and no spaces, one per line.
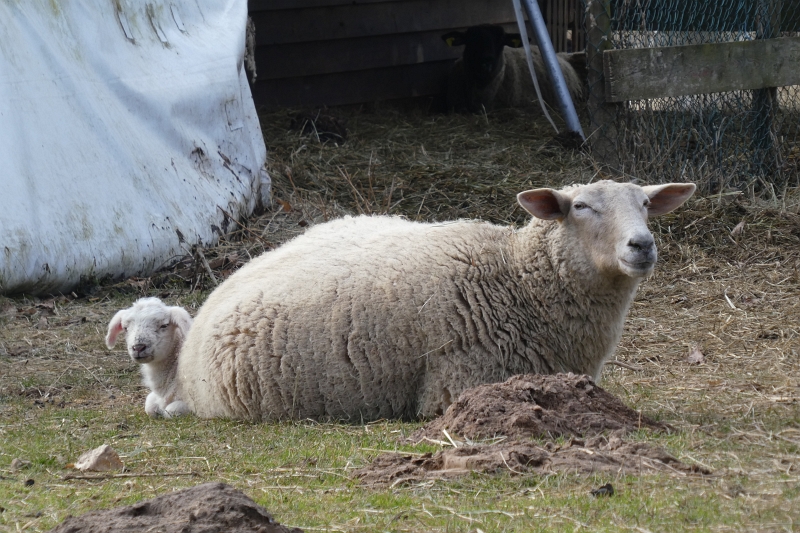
{"x":743,"y":140}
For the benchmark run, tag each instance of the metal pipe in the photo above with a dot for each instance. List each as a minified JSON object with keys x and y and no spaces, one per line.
{"x":565,"y":104}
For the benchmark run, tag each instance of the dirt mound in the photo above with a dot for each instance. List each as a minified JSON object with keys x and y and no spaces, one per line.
{"x":207,"y":508}
{"x":536,"y":406}
{"x":599,"y":454}
{"x":530,"y":407}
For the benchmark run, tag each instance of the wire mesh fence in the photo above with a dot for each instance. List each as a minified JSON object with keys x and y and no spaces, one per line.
{"x":739,"y":139}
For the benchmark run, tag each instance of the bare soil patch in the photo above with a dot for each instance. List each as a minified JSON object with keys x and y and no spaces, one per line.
{"x":207,"y":508}
{"x":598,"y":454}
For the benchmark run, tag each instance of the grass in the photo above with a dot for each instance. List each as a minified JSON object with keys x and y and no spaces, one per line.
{"x":733,"y":294}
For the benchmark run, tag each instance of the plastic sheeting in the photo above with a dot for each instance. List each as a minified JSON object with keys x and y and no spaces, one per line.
{"x":127,"y":134}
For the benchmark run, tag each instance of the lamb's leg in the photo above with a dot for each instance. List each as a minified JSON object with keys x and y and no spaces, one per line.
{"x":151,"y":405}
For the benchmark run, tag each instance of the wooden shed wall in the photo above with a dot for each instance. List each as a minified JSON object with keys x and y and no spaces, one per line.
{"x":332,"y":52}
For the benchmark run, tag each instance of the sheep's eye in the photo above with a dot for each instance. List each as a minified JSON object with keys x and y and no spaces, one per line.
{"x":579,"y":205}
{"x":164,"y":326}
{"x":647,"y":203}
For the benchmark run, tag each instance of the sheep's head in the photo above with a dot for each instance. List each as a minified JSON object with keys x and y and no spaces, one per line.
{"x":483,"y":49}
{"x":153,"y":331}
{"x":605,"y":223}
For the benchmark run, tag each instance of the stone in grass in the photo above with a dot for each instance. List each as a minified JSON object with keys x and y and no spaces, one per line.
{"x":19,"y":464}
{"x":207,"y":508}
{"x":102,"y":459}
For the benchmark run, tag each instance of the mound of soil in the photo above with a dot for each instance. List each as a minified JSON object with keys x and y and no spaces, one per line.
{"x":599,"y":454}
{"x":536,"y":406}
{"x":207,"y":508}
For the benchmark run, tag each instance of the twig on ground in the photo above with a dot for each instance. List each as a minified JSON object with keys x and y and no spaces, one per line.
{"x":111,"y":476}
{"x":197,"y":251}
{"x":624,"y":365}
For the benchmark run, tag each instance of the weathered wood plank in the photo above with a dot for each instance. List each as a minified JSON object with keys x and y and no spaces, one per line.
{"x":325,"y":57}
{"x":274,"y":5}
{"x":364,"y":20}
{"x":641,"y":73}
{"x":341,"y":88}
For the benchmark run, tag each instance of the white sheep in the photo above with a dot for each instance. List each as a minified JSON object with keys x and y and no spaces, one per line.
{"x":154,"y":335}
{"x":372,"y":317}
{"x":493,"y":71}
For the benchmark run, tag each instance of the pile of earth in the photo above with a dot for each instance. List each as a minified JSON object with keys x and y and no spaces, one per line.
{"x":207,"y":508}
{"x":535,"y":406}
{"x":520,"y":413}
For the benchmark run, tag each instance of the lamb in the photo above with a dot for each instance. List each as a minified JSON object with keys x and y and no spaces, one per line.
{"x":154,"y":335}
{"x":376,"y":317}
{"x":493,"y":71}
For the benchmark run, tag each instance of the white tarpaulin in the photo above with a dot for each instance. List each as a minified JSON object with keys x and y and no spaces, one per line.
{"x":126,"y":127}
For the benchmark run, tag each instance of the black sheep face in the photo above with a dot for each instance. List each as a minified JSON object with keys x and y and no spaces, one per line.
{"x":483,"y":50}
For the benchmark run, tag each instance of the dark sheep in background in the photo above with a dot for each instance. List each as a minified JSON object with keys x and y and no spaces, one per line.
{"x":493,"y":71}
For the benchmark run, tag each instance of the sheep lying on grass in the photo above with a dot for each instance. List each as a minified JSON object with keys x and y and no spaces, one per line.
{"x":493,"y":71}
{"x":154,"y":334}
{"x":373,"y":317}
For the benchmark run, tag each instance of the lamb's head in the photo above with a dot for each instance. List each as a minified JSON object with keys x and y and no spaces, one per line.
{"x":605,"y":223}
{"x":483,"y":49}
{"x":153,"y":330}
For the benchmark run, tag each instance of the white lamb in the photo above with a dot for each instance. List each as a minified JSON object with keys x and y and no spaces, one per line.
{"x":154,"y":334}
{"x":372,"y":317}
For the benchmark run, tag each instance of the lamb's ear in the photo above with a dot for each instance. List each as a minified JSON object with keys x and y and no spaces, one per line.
{"x":546,"y":204}
{"x":513,"y":40}
{"x":454,"y":38}
{"x":665,"y":198}
{"x":181,"y":319}
{"x":115,"y":328}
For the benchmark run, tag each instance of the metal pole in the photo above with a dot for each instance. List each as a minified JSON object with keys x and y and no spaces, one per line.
{"x":565,"y":104}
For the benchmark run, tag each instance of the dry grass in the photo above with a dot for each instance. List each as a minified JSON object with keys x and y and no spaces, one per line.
{"x":730,"y":289}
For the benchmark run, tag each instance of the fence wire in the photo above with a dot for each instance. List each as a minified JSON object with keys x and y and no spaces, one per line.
{"x":731,"y":140}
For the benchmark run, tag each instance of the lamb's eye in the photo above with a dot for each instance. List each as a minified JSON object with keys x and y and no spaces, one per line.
{"x":579,"y":205}
{"x":164,"y":326}
{"x":647,"y":203}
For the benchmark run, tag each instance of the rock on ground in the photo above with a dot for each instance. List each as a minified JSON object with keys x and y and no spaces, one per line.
{"x":207,"y":508}
{"x":101,"y":459}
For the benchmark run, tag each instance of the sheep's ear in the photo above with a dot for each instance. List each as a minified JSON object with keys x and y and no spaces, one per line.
{"x":115,"y":328}
{"x":665,"y":198}
{"x":513,"y":40}
{"x":454,"y":38}
{"x":181,"y":319}
{"x":546,"y":204}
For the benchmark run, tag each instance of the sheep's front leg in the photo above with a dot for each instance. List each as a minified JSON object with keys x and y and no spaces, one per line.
{"x":176,"y":408}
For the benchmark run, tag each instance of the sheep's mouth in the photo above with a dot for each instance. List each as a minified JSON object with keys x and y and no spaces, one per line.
{"x":142,"y":359}
{"x":637,"y":268}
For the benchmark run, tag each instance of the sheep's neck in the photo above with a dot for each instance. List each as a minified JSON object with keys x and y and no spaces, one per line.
{"x":159,"y":375}
{"x":485,"y":93}
{"x":571,"y":297}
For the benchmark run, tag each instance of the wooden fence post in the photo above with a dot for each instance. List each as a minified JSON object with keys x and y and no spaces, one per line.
{"x":603,"y":133}
{"x":765,"y":101}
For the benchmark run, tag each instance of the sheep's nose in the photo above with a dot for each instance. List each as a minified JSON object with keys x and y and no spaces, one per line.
{"x":139,"y":348}
{"x":642,"y":243}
